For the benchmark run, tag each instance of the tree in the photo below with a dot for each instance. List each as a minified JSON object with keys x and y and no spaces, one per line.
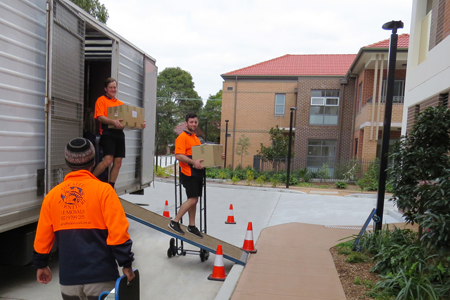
{"x":174,"y":88}
{"x":420,"y":175}
{"x":212,"y":113}
{"x":242,"y":145}
{"x":279,"y":149}
{"x":94,"y":8}
{"x":178,"y":86}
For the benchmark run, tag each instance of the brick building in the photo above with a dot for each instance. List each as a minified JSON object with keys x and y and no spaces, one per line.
{"x":428,"y":72}
{"x":333,"y":95}
{"x":370,"y":96}
{"x":259,"y":97}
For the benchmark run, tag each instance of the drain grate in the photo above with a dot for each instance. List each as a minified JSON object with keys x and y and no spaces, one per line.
{"x":343,"y":227}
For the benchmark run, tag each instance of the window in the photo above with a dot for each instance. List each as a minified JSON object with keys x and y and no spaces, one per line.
{"x":321,"y":152}
{"x":229,"y":88}
{"x":399,"y":91}
{"x":280,"y":101}
{"x":324,"y":108}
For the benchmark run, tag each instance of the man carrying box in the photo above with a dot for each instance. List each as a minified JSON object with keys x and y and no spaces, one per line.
{"x":112,"y":140}
{"x":191,"y":175}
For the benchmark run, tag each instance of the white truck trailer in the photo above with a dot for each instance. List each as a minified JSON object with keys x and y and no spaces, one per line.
{"x":54,"y":58}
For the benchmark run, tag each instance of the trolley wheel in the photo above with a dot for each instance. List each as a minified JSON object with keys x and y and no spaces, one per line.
{"x":169,"y":253}
{"x":204,"y":255}
{"x":172,"y":251}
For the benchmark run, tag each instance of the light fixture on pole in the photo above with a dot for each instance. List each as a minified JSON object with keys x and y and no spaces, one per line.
{"x":226,"y":138}
{"x":290,"y":148}
{"x":393,"y":25}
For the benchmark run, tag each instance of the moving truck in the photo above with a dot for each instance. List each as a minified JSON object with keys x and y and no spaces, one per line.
{"x":54,"y":58}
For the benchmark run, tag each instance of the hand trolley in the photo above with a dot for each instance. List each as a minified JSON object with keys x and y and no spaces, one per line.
{"x":176,"y":247}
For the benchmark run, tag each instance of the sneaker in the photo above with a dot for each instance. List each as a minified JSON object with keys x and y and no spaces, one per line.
{"x":194,"y":230}
{"x":175,"y":226}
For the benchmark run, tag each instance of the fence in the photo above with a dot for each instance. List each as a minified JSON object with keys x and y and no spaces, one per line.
{"x":323,"y":168}
{"x":164,"y":160}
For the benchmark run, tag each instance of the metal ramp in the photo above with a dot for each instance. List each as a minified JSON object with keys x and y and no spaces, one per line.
{"x":160,"y":223}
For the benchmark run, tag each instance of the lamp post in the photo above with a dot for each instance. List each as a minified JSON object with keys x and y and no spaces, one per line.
{"x":290,"y":148}
{"x":206,"y":129}
{"x":393,"y":25}
{"x":226,"y":138}
{"x":157,"y":140}
{"x":157,"y":137}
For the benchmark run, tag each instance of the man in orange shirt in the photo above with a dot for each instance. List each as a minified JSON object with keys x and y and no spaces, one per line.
{"x":112,"y":140}
{"x":84,"y":218}
{"x":191,"y":175}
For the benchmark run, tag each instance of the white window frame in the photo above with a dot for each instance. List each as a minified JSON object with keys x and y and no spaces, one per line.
{"x":277,"y":105}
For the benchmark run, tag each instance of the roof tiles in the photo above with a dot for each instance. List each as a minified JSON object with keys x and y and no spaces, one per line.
{"x":402,"y":42}
{"x":300,"y":65}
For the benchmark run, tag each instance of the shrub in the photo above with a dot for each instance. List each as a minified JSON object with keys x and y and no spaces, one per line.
{"x":369,"y":181}
{"x":161,"y":172}
{"x":260,"y":180}
{"x":340,"y":184}
{"x":235,"y":180}
{"x":357,"y":257}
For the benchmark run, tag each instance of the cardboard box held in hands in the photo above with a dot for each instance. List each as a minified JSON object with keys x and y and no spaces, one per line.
{"x":133,"y":117}
{"x":210,"y":153}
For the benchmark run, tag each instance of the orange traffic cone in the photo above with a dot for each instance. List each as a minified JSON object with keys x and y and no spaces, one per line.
{"x":230,"y":219}
{"x":218,"y":273}
{"x":166,"y":210}
{"x":248,"y":242}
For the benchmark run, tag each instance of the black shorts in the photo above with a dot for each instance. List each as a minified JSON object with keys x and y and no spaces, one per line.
{"x":193,"y":185}
{"x":112,"y":146}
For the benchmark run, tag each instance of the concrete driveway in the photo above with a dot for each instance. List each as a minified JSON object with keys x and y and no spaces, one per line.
{"x":185,"y":277}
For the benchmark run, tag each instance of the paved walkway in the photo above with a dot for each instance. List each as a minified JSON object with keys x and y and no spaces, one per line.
{"x":293,"y":262}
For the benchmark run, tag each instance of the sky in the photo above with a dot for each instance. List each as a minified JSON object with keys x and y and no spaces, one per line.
{"x":208,"y":38}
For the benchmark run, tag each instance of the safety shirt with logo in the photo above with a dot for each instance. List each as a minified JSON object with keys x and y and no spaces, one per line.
{"x":84,"y":218}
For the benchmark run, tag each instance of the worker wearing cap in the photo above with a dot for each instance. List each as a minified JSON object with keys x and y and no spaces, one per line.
{"x":84,"y":219}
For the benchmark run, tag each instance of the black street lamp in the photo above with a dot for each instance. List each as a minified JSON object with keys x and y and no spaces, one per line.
{"x":206,"y":129}
{"x":393,"y":25}
{"x":289,"y":149}
{"x":226,"y":138}
{"x":157,"y":138}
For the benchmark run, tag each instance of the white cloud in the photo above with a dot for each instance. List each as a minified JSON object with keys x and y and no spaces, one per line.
{"x":209,"y":38}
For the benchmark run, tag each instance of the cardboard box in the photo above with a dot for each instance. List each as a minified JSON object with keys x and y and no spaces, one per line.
{"x":132,"y":116}
{"x":211,"y":153}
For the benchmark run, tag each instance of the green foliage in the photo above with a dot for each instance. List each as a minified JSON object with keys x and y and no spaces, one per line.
{"x":369,"y":182}
{"x":94,"y":8}
{"x":209,"y":117}
{"x":161,"y":172}
{"x":212,"y":173}
{"x":345,"y":248}
{"x":261,"y":180}
{"x":177,"y":86}
{"x":235,"y":179}
{"x":357,"y":257}
{"x":323,"y":173}
{"x":340,"y":184}
{"x":300,"y":173}
{"x":306,"y":184}
{"x":242,"y":145}
{"x":409,"y":268}
{"x":279,"y":146}
{"x":347,"y":171}
{"x":421,"y":173}
{"x":222,"y":174}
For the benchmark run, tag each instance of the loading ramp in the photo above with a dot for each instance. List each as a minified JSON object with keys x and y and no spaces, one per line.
{"x":160,"y":223}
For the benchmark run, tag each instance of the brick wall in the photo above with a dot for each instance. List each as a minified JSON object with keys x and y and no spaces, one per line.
{"x":250,"y":109}
{"x":419,"y":107}
{"x":440,"y":22}
{"x":304,"y":132}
